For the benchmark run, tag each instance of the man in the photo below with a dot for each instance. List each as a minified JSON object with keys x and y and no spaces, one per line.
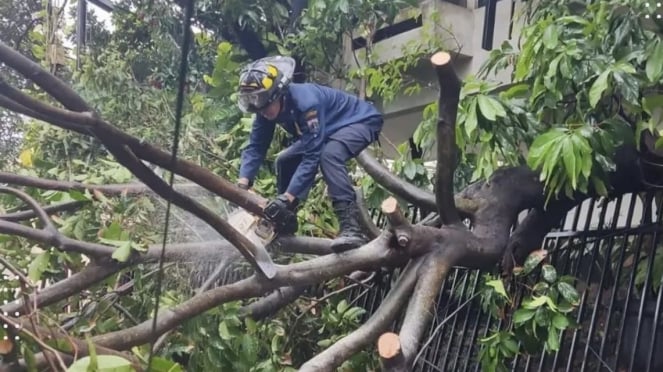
{"x":330,"y":127}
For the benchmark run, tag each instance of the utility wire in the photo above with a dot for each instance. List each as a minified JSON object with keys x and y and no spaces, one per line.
{"x":186,"y":43}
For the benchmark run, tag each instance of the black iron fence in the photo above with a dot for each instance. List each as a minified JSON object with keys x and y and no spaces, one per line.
{"x":613,"y":248}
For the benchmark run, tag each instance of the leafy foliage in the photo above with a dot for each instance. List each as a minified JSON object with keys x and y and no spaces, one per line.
{"x":591,"y":71}
{"x":536,"y":323}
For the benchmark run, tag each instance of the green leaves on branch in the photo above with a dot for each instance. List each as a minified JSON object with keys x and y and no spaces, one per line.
{"x":574,"y":171}
{"x":101,"y":363}
{"x":654,"y":66}
{"x":537,"y":322}
{"x":225,"y":66}
{"x":114,"y":235}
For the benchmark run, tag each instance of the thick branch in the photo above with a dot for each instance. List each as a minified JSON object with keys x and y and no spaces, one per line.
{"x":422,"y":303}
{"x":14,"y":106}
{"x":395,"y":185}
{"x":446,"y":137}
{"x":95,"y":273}
{"x":51,"y":84}
{"x":259,"y":259}
{"x":303,"y":245}
{"x":365,"y":219}
{"x":369,"y":257}
{"x":111,"y":189}
{"x":71,"y":120}
{"x":529,"y":234}
{"x":81,"y":347}
{"x":51,"y":209}
{"x":65,"y":288}
{"x":36,"y":208}
{"x":340,"y":351}
{"x":272,"y":303}
{"x":54,"y":238}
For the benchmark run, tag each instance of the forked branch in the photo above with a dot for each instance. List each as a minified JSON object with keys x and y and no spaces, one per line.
{"x":422,"y":303}
{"x":344,"y":348}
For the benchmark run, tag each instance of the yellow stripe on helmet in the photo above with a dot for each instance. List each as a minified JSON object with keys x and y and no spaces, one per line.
{"x":268,"y":80}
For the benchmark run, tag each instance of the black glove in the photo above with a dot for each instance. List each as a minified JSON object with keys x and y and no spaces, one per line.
{"x":280,"y":212}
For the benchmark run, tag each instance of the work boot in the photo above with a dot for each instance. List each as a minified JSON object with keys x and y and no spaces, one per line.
{"x":351,"y":235}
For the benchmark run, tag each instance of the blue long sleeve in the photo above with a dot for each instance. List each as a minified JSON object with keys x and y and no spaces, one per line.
{"x":312,"y":142}
{"x":254,"y":153}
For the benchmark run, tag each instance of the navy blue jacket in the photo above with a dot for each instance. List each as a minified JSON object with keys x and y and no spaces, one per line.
{"x":311,"y":114}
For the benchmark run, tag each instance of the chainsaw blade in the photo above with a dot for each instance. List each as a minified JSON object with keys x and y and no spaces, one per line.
{"x":249,"y":225}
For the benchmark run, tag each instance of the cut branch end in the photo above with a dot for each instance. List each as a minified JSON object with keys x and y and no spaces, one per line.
{"x":391,"y":355}
{"x":440,"y":58}
{"x":399,"y":224}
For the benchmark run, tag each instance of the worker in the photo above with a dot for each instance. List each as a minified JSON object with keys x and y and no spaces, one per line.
{"x":328,"y":126}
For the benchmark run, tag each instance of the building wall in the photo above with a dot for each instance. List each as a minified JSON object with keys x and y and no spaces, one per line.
{"x":460,"y":27}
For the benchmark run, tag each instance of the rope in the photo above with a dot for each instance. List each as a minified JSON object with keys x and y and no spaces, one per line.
{"x":188,"y":14}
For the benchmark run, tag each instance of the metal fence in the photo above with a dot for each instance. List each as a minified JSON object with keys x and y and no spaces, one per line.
{"x":614,"y":250}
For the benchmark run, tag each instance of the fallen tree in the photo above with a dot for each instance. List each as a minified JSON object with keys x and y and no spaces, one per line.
{"x":474,"y":229}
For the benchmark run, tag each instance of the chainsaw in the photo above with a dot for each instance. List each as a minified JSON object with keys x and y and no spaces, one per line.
{"x":261,"y":233}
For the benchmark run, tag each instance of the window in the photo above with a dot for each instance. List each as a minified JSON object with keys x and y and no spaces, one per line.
{"x":483,"y":3}
{"x":389,"y":31}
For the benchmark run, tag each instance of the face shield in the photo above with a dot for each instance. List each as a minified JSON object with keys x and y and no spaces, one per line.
{"x":253,"y":101}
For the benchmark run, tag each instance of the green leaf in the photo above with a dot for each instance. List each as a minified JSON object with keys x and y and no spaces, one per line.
{"x":553,"y":339}
{"x":586,"y":166}
{"x":224,"y":332}
{"x":549,"y":273}
{"x":39,"y":265}
{"x":560,"y":321}
{"x":654,"y":65}
{"x":79,"y":229}
{"x":251,"y":325}
{"x":498,"y":285}
{"x":523,"y":315}
{"x":597,"y":89}
{"x":123,"y":252}
{"x":490,"y":107}
{"x":471,"y":121}
{"x":542,"y":144}
{"x":410,"y":170}
{"x":568,"y":292}
{"x":533,"y":260}
{"x":160,"y":364}
{"x":659,"y":143}
{"x":599,"y":186}
{"x":106,"y":363}
{"x":569,"y":158}
{"x":536,"y":302}
{"x":342,"y":306}
{"x":78,"y":196}
{"x":511,"y":346}
{"x":114,"y":232}
{"x":550,"y":37}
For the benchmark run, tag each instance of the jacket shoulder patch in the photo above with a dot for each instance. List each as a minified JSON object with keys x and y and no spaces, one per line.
{"x":311,"y":118}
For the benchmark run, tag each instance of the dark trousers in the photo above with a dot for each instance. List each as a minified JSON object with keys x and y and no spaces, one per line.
{"x":341,"y":146}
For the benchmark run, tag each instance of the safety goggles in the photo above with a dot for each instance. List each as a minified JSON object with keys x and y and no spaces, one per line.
{"x":253,"y":102}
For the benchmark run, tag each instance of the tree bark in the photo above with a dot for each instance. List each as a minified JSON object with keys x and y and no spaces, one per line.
{"x":446,"y":137}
